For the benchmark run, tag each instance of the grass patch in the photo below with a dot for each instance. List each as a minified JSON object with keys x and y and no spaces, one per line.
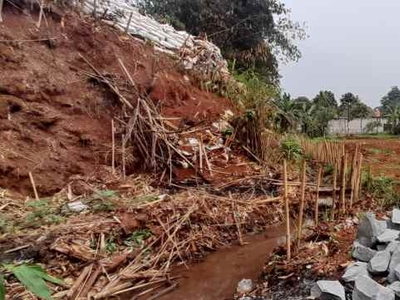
{"x":382,"y":189}
{"x":377,"y":151}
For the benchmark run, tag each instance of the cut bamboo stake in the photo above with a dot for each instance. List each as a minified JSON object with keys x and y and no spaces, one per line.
{"x":123,"y":158}
{"x":334,"y":195}
{"x":343,"y":183}
{"x":34,"y":186}
{"x":113,"y":146}
{"x":207,"y":161}
{"x":286,"y":198}
{"x":201,"y":153}
{"x":302,"y":198}
{"x":359,"y":180}
{"x":316,"y":212}
{"x":354,"y":171}
{"x":40,"y":14}
{"x":129,"y":23}
{"x":1,"y":9}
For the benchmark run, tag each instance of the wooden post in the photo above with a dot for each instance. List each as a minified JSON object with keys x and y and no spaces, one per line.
{"x":316,"y":211}
{"x":334,"y":194}
{"x":1,"y":9}
{"x":129,"y":23}
{"x":302,"y":199}
{"x":113,"y":146}
{"x":123,"y":158}
{"x":287,"y":214}
{"x":343,"y":183}
{"x":34,"y":186}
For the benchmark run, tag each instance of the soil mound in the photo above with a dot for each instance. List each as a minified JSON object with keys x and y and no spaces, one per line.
{"x":55,"y":121}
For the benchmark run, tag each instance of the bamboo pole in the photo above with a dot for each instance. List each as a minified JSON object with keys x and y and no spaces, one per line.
{"x":34,"y":186}
{"x":319,"y":177}
{"x":334,"y":195}
{"x":113,"y":146}
{"x":354,"y":171}
{"x":286,"y":198}
{"x":201,"y":153}
{"x":123,"y":158}
{"x":358,"y":184}
{"x":1,"y":9}
{"x":343,"y":183}
{"x":302,"y":199}
{"x":40,"y":14}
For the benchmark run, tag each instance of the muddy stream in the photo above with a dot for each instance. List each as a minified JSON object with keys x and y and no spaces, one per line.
{"x":216,"y":277}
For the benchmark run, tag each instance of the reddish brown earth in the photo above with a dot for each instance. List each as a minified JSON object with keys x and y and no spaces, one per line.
{"x":54,"y":120}
{"x":381,"y":155}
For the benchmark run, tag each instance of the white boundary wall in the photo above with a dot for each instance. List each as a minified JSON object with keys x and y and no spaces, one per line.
{"x":356,"y":126}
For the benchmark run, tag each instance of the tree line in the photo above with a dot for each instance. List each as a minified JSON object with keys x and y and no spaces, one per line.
{"x":312,"y":116}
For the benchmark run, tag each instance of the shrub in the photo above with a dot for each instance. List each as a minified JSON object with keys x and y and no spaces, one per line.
{"x":291,"y":148}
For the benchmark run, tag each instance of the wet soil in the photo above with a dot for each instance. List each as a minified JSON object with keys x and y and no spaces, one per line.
{"x":216,"y":278}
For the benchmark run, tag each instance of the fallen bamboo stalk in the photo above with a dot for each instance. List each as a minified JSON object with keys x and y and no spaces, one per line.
{"x":302,"y":199}
{"x":106,"y":81}
{"x":163,"y":292}
{"x":316,"y":210}
{"x":34,"y":186}
{"x":74,"y":289}
{"x":287,"y":213}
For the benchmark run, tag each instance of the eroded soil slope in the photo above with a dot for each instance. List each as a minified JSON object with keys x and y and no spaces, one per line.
{"x":55,"y":121}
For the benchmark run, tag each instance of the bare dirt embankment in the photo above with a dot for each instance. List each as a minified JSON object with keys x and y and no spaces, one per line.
{"x":55,"y":121}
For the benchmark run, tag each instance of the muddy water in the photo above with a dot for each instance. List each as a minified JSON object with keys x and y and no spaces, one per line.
{"x":216,"y":278}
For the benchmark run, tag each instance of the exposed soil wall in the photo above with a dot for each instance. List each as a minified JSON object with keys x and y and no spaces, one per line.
{"x":55,"y":120}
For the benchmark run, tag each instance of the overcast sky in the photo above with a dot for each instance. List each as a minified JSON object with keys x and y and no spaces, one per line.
{"x":354,"y":46}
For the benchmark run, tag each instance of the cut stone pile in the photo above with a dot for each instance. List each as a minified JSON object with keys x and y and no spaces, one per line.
{"x":375,"y":275}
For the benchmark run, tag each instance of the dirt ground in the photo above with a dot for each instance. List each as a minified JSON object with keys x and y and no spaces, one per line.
{"x":381,"y":155}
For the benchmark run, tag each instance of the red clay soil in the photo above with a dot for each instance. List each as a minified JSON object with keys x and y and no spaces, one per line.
{"x":381,"y":155}
{"x":54,"y":120}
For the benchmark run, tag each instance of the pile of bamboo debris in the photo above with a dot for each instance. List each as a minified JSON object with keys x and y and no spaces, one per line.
{"x":179,"y":227}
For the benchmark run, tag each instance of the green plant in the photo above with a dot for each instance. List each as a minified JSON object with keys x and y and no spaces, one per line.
{"x":42,"y":212}
{"x":138,"y":237}
{"x":100,"y":201}
{"x":381,"y":188}
{"x":291,"y":148}
{"x":33,"y":277}
{"x":111,"y":246}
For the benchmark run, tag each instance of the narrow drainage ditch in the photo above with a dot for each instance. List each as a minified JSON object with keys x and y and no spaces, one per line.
{"x":216,"y":277}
